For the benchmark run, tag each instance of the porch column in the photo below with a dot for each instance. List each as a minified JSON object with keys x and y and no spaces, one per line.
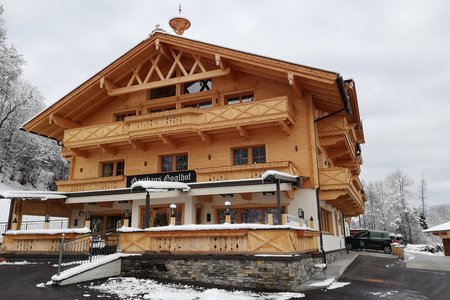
{"x":11,"y":213}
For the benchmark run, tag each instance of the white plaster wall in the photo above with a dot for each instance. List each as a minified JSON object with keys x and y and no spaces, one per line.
{"x":336,"y":240}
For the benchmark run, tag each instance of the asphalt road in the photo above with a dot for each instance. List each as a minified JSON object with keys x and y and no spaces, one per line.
{"x":370,"y":278}
{"x":18,"y":282}
{"x":387,"y":278}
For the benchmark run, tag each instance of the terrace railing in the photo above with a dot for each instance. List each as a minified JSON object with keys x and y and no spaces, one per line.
{"x":35,"y":225}
{"x":87,"y":248}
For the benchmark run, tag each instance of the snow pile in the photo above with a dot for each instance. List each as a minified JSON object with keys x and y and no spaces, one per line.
{"x":424,"y":249}
{"x":278,"y":174}
{"x":21,"y":263}
{"x":320,"y":266}
{"x":323,"y":283}
{"x":49,"y":231}
{"x":85,"y":267}
{"x":336,"y":285}
{"x":43,"y":195}
{"x":133,"y":288}
{"x":384,"y":294}
{"x":43,"y":285}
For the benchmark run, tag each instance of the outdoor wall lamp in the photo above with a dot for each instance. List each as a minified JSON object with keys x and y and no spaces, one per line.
{"x":173,"y":207}
{"x":301,"y":213}
{"x":81,"y":213}
{"x":227,"y":207}
{"x":88,"y":215}
{"x":47,"y":217}
{"x":126,"y":213}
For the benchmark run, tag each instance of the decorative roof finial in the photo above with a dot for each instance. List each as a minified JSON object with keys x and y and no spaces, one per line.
{"x":179,"y":24}
{"x":157,"y":29}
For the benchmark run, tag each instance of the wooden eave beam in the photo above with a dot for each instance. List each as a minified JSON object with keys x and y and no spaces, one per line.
{"x":61,"y":122}
{"x":207,"y":138}
{"x":109,"y":86}
{"x":168,"y":141}
{"x":138,"y":145}
{"x":171,"y":81}
{"x":107,"y":149}
{"x":294,"y":84}
{"x":243,"y":132}
{"x":220,"y":62}
{"x":78,"y":152}
{"x":285,"y":127}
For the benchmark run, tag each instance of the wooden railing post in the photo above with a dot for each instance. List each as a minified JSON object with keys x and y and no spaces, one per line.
{"x":269,"y":219}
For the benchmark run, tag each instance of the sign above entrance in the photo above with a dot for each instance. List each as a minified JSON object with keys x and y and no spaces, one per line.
{"x":181,"y":176}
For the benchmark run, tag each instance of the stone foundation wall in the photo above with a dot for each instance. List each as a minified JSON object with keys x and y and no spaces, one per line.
{"x":240,"y":272}
{"x":262,"y":273}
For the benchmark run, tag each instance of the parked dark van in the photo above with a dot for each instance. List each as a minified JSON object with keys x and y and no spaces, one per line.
{"x":370,"y":239}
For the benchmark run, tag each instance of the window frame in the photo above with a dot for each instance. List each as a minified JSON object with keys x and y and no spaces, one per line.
{"x":123,"y":115}
{"x":326,"y":219}
{"x":250,"y":155}
{"x":241,"y":96}
{"x":115,"y":168}
{"x":173,"y":162}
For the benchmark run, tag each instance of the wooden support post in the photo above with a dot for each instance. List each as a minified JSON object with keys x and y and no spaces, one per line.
{"x":228,"y":219}
{"x":87,"y":223}
{"x":126,"y":222}
{"x":311,"y":223}
{"x":269,"y":219}
{"x":283,"y":219}
{"x":301,"y":223}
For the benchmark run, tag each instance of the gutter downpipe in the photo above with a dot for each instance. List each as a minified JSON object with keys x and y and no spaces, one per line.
{"x":347,"y":109}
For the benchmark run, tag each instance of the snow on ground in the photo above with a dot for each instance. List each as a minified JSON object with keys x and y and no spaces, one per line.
{"x":336,"y":285}
{"x":383,"y":294}
{"x":323,"y":283}
{"x":423,"y":249}
{"x":133,"y":288}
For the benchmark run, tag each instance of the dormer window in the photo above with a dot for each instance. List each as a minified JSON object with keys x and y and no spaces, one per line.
{"x":198,"y":86}
{"x":162,"y":92}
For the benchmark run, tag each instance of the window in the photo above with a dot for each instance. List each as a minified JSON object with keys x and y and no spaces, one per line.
{"x":241,"y":156}
{"x":239,"y":99}
{"x":113,"y":168}
{"x":202,"y":105}
{"x":162,"y":92}
{"x":160,"y":215}
{"x":160,"y":109}
{"x":327,"y":221}
{"x":178,"y":162}
{"x":198,"y":86}
{"x":255,"y":215}
{"x":121,"y":116}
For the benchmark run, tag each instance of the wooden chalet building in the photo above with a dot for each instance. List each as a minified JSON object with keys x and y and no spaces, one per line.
{"x":176,"y":109}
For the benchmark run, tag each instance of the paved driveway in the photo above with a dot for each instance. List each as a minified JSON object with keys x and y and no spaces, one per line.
{"x":374,"y":277}
{"x":371,"y":276}
{"x":18,"y":282}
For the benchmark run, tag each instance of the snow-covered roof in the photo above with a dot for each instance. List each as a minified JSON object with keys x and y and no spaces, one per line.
{"x":43,"y":195}
{"x":441,"y":227}
{"x":279,"y":175}
{"x":160,"y":185}
{"x":49,"y":231}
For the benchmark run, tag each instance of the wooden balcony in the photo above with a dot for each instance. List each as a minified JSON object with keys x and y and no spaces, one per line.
{"x":238,"y":241}
{"x":89,"y":184}
{"x":244,"y":171}
{"x":278,"y":111}
{"x":340,"y":140}
{"x":337,"y":187}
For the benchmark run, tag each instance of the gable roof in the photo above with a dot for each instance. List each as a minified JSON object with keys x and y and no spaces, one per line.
{"x":324,"y":86}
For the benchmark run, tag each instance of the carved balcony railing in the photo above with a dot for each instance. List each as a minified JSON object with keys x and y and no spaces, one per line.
{"x":244,"y":171}
{"x":279,"y":111}
{"x":89,"y":184}
{"x":337,"y":187}
{"x":239,"y":241}
{"x":340,"y":140}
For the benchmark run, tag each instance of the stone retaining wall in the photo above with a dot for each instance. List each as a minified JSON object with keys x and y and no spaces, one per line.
{"x":262,"y":273}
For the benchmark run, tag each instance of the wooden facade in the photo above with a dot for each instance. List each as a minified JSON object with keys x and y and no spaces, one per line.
{"x":173,"y":105}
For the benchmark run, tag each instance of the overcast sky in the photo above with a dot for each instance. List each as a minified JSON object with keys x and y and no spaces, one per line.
{"x":398,"y":52}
